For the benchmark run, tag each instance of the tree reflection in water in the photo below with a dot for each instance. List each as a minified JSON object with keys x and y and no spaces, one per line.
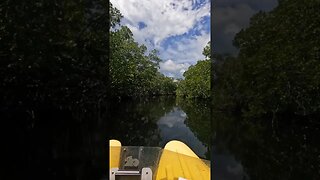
{"x":257,"y":149}
{"x":156,"y":121}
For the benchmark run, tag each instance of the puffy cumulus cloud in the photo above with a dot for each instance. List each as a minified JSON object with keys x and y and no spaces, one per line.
{"x":229,"y":20}
{"x":237,"y":14}
{"x":187,"y":49}
{"x":230,"y":16}
{"x":179,"y":29}
{"x":163,"y":18}
{"x":173,"y":69}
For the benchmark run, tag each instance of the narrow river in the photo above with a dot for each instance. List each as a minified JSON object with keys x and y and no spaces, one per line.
{"x":50,"y":143}
{"x":156,"y":121}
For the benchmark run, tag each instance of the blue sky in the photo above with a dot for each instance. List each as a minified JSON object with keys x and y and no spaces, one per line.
{"x":179,"y":29}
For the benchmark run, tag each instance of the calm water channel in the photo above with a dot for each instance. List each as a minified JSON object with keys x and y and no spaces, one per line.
{"x":49,"y":143}
{"x":281,"y":148}
{"x":156,"y":121}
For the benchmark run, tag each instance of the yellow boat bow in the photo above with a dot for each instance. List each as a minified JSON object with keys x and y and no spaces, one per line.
{"x":175,"y":162}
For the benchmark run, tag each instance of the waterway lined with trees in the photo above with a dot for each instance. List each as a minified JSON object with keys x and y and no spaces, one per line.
{"x":68,"y":83}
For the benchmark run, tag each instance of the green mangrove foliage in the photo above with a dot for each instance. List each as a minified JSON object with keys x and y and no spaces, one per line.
{"x":134,"y":70}
{"x":197,"y":79}
{"x":53,"y":51}
{"x":226,"y":86}
{"x":58,"y":52}
{"x":278,"y":66}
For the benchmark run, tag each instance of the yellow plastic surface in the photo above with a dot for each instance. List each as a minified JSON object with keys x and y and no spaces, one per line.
{"x":114,"y":153}
{"x":178,"y":160}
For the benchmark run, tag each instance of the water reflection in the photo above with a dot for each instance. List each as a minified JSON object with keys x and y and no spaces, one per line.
{"x":265,"y":148}
{"x":156,"y":121}
{"x":51,"y":143}
{"x":172,"y":126}
{"x":56,"y":144}
{"x":227,"y":167}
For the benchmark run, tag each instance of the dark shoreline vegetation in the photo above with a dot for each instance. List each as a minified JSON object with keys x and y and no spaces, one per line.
{"x":277,"y":70}
{"x":134,"y":70}
{"x":61,"y":67}
{"x":266,"y":99}
{"x":64,"y":55}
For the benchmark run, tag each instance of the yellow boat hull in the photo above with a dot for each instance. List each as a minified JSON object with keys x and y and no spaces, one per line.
{"x":179,"y":161}
{"x":114,"y":153}
{"x":176,"y":161}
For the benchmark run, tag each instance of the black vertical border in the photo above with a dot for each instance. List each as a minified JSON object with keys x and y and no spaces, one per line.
{"x":211,"y":88}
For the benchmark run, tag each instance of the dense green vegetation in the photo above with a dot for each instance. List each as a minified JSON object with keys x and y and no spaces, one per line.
{"x":277,"y":69}
{"x":58,"y":52}
{"x":53,"y":52}
{"x":197,"y":79}
{"x":266,"y":100}
{"x":134,"y":70}
{"x":53,"y":79}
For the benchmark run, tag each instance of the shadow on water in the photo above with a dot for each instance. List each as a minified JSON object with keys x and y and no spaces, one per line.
{"x":156,"y":121}
{"x":51,"y":143}
{"x":285,"y":148}
{"x":56,"y":143}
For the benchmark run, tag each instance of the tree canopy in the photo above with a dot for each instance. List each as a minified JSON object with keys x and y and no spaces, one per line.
{"x":58,"y":52}
{"x":134,"y":70}
{"x":277,"y":69}
{"x":197,"y":78}
{"x":53,"y":51}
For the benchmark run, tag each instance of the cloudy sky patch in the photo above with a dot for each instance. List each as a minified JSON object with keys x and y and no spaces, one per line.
{"x":230,"y":16}
{"x":179,"y":29}
{"x":172,"y":69}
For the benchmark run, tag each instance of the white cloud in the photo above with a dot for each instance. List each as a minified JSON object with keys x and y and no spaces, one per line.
{"x":232,"y":29}
{"x":187,"y":49}
{"x":239,"y":14}
{"x":164,"y":18}
{"x":230,"y":18}
{"x":172,"y":69}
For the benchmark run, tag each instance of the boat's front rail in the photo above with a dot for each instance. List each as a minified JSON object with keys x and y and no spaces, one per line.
{"x":175,"y":161}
